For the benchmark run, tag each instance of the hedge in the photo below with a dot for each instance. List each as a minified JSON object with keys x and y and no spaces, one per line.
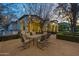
{"x":74,"y":37}
{"x":5,"y":38}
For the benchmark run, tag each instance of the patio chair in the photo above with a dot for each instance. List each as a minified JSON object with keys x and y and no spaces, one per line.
{"x":25,"y":41}
{"x":42,"y":42}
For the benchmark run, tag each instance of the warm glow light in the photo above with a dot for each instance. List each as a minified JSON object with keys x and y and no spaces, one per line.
{"x":52,"y":23}
{"x":77,"y":21}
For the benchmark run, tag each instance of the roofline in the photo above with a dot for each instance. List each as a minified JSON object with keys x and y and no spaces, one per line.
{"x":28,"y":15}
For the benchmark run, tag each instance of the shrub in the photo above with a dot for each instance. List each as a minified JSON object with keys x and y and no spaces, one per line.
{"x":68,"y":36}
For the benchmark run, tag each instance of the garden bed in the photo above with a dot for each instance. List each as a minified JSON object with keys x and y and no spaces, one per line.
{"x":74,"y":37}
{"x":9,"y":36}
{"x":5,"y":38}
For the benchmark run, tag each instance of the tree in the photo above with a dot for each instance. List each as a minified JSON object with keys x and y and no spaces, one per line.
{"x":42,"y":10}
{"x":74,"y":11}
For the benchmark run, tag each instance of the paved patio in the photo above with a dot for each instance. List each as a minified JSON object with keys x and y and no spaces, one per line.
{"x":56,"y":48}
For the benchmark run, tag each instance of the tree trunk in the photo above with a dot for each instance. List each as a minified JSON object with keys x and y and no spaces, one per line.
{"x":73,"y":20}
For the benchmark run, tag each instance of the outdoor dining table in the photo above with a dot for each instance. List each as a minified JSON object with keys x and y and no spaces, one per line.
{"x":35,"y":38}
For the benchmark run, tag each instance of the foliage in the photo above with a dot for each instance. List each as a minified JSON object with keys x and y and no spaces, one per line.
{"x":64,"y":26}
{"x":74,"y":37}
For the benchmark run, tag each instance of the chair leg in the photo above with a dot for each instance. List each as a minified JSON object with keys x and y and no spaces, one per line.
{"x":28,"y":44}
{"x":39,"y":46}
{"x":24,"y":44}
{"x":42,"y":45}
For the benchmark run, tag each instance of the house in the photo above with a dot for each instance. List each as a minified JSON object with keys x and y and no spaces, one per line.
{"x":53,"y":26}
{"x":31,"y":23}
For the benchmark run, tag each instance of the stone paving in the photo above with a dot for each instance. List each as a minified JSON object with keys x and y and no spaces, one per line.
{"x":56,"y":48}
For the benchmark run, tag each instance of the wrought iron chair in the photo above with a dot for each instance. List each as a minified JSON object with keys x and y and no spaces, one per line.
{"x":25,"y":41}
{"x":43,"y":42}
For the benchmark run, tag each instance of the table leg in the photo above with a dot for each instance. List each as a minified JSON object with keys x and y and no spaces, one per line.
{"x":33,"y":41}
